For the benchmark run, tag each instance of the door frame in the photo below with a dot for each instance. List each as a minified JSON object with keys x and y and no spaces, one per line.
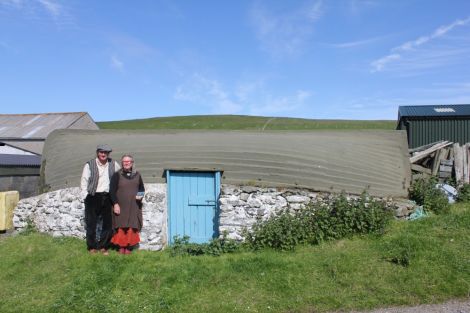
{"x":217,"y":181}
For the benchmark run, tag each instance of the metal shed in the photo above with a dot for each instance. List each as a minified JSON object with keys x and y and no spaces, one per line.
{"x":330,"y":161}
{"x":20,"y":172}
{"x":27,"y":132}
{"x":427,"y":124}
{"x":22,"y":139}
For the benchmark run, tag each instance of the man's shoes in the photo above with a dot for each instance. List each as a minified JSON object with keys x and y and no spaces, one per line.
{"x":92,"y":251}
{"x":104,"y":252}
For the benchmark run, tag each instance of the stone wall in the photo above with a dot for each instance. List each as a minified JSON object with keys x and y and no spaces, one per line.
{"x":62,"y":213}
{"x":241,"y":206}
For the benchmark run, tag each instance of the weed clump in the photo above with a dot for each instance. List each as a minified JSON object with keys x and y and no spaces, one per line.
{"x":320,"y":222}
{"x":425,"y":193}
{"x":182,"y":246}
{"x":464,"y":193}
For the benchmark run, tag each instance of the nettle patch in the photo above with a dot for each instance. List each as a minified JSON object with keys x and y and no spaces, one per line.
{"x":317,"y":222}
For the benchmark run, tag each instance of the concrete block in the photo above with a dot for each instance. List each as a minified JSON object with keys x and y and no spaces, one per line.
{"x":8,"y":202}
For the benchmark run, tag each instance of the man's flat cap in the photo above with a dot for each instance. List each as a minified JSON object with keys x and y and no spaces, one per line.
{"x":103,"y":147}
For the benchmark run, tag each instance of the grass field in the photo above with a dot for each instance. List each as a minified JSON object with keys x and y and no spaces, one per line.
{"x":241,"y":122}
{"x":39,"y":273}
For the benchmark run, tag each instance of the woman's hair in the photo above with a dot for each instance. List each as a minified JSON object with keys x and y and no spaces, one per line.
{"x":130,"y":157}
{"x":127,"y":156}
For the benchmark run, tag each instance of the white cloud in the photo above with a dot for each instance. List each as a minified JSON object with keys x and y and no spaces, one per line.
{"x":356,"y":7}
{"x":384,"y":104}
{"x":246,"y":98}
{"x":285,"y":34}
{"x":271,"y":105}
{"x":55,"y":9}
{"x":34,"y":9}
{"x":12,"y":3}
{"x":207,"y":92}
{"x":116,"y":63}
{"x":410,"y":49}
{"x":379,"y":64}
{"x":357,"y":43}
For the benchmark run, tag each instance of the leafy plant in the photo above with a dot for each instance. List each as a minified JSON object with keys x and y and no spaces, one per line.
{"x":425,"y":193}
{"x":464,"y":193}
{"x":30,"y":228}
{"x":317,"y":223}
{"x":216,"y":247}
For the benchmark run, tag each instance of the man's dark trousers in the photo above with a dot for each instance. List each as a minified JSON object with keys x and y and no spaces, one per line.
{"x":98,"y":220}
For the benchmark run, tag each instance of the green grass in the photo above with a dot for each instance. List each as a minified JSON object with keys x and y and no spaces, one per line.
{"x":241,"y":122}
{"x":39,"y":273}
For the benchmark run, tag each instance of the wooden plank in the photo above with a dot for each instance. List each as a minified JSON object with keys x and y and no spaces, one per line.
{"x":445,"y":168}
{"x":419,"y":168}
{"x":437,"y":161}
{"x":445,"y":153}
{"x":423,"y":154}
{"x":447,"y":162}
{"x":458,"y":162}
{"x":444,"y":174}
{"x":420,"y":175}
{"x":426,"y":162}
{"x":466,"y":165}
{"x":422,"y":148}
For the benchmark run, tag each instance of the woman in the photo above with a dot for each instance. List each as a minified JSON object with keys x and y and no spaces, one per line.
{"x":126,"y":192}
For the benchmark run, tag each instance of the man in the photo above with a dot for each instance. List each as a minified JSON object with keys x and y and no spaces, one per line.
{"x":94,"y":184}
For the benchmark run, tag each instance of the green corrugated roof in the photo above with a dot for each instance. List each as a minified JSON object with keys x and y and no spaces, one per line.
{"x":434,"y":110}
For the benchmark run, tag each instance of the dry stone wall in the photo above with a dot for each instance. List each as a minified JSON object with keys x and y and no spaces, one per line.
{"x":240,"y":207}
{"x":61,"y":213}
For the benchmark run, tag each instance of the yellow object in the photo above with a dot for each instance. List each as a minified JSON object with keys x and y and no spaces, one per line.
{"x":8,"y":202}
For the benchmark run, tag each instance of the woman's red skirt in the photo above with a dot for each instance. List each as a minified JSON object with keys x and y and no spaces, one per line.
{"x":125,"y":237}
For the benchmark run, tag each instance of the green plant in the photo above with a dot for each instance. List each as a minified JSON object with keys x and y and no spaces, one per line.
{"x":464,"y":193}
{"x":425,"y":193}
{"x":400,"y":250}
{"x":29,"y":228}
{"x":215,"y":247}
{"x":317,"y":223}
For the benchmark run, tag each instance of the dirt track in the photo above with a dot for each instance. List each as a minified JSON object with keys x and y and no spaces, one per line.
{"x":454,"y":306}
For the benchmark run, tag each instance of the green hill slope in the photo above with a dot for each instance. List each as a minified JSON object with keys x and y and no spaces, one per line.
{"x":243,"y":122}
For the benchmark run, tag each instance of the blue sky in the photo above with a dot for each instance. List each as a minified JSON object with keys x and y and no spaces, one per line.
{"x":344,"y":59}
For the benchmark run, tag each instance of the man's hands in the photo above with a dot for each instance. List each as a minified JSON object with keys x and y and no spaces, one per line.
{"x":117,"y":209}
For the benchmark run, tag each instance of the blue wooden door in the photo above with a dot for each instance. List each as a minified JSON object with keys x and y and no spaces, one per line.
{"x":192,"y":203}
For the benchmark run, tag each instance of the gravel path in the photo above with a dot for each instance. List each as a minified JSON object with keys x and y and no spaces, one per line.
{"x":454,"y":306}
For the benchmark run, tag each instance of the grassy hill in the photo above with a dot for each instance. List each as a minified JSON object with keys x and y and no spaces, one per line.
{"x":243,"y":122}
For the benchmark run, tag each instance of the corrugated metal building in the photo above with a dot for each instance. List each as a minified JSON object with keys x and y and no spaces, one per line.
{"x":27,"y":132}
{"x":427,"y":124}
{"x":329,"y":161}
{"x":22,"y":138}
{"x":20,"y":172}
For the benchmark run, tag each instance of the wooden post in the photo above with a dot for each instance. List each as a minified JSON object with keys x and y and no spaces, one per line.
{"x":466,"y":165}
{"x":458,"y":163}
{"x":437,"y":161}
